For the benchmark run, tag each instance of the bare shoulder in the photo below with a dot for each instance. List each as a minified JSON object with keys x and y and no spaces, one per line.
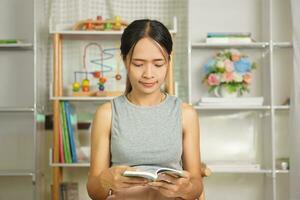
{"x":102,"y":118}
{"x":190,"y":119}
{"x":104,"y":109}
{"x":188,"y":111}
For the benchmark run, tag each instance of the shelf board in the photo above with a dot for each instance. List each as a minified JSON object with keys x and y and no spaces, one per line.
{"x":79,"y":164}
{"x":281,"y":171}
{"x":78,"y":98}
{"x":256,"y":45}
{"x":283,"y":107}
{"x":241,"y":171}
{"x":226,"y":107}
{"x":102,"y":33}
{"x":70,"y":164}
{"x":283,"y":44}
{"x":16,"y":109}
{"x":69,"y":98}
{"x":17,"y":45}
{"x":16,"y":173}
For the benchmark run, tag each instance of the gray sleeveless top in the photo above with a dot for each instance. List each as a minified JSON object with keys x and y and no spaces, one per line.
{"x":146,"y":135}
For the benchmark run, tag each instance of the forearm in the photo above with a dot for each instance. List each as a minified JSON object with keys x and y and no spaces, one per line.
{"x":98,"y":186}
{"x":194,"y":190}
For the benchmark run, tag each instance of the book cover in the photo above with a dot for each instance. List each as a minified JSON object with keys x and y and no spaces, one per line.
{"x":228,"y":34}
{"x":152,"y":172}
{"x":60,"y":141}
{"x":66,"y":142}
{"x":71,"y":132}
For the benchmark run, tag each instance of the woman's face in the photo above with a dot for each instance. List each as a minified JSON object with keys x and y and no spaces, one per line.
{"x":148,"y":67}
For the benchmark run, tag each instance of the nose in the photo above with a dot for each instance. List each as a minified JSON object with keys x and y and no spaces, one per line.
{"x":148,"y":71}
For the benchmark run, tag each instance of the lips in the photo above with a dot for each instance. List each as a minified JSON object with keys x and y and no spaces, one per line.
{"x":148,"y":84}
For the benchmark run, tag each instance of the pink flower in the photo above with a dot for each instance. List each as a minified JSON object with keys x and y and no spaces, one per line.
{"x":247,"y":78}
{"x":228,"y":65}
{"x":213,"y":80}
{"x":228,"y":76}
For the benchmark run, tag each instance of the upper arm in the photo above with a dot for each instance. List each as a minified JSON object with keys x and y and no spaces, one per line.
{"x":100,"y":139}
{"x":191,"y":141}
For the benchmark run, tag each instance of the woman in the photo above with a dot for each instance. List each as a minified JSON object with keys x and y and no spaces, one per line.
{"x":145,"y":126}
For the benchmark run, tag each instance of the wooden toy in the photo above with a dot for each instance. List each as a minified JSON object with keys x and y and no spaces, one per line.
{"x":101,"y":25}
{"x":84,"y":89}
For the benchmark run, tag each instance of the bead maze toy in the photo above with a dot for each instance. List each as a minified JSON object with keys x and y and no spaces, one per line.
{"x":99,"y":24}
{"x":83,"y":88}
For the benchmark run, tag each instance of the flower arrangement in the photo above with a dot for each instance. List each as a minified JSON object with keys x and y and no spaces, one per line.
{"x":229,"y":69}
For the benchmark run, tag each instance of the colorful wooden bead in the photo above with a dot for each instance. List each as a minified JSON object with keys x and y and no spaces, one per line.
{"x":96,"y":74}
{"x":76,"y":86}
{"x":85,"y":88}
{"x":118,"y":77}
{"x":86,"y":82}
{"x":102,"y":80}
{"x":108,"y":26}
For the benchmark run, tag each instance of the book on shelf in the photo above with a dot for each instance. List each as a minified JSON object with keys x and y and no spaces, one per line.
{"x":69,"y":191}
{"x":239,"y":101}
{"x":70,"y":131}
{"x":228,"y":34}
{"x":67,"y":146}
{"x":152,"y":172}
{"x":9,"y":41}
{"x":228,"y":38}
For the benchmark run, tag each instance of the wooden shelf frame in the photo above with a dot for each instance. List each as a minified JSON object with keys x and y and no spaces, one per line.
{"x":57,"y":93}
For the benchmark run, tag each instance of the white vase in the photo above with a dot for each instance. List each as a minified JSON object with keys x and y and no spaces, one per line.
{"x":223,"y":92}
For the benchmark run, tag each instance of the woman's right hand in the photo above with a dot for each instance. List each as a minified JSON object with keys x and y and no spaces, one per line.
{"x":117,"y":181}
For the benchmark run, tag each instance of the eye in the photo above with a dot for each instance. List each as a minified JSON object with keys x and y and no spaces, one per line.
{"x":137,"y":64}
{"x":159,"y":64}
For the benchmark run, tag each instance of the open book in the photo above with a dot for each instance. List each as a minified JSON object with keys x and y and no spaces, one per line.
{"x":151,"y":172}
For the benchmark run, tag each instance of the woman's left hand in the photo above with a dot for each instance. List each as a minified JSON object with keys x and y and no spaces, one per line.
{"x":170,"y":186}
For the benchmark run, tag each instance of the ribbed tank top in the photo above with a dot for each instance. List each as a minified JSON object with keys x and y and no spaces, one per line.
{"x":146,"y":135}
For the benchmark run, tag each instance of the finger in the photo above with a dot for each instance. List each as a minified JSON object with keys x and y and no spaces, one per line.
{"x":132,"y":169}
{"x":138,"y":180}
{"x":167,"y":178}
{"x":127,"y":185}
{"x":186,"y":174}
{"x":160,"y":184}
{"x":122,"y":168}
{"x":167,"y":193}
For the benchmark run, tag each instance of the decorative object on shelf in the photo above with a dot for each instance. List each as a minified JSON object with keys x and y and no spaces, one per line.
{"x":69,"y":191}
{"x":287,"y":101}
{"x":85,"y":85}
{"x":283,"y":163}
{"x":99,"y":24}
{"x":229,"y":73}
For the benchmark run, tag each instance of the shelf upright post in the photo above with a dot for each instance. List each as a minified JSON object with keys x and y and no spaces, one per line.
{"x":57,"y":75}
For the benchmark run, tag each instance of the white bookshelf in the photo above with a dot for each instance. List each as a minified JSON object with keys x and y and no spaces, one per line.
{"x":269,"y":22}
{"x":18,"y":152}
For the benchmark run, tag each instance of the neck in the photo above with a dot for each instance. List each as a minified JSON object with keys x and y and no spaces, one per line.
{"x":145,"y":99}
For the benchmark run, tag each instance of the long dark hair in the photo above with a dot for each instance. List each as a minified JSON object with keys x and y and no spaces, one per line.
{"x":139,"y":29}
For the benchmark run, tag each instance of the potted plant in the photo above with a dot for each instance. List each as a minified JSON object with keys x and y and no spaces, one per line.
{"x":229,"y":73}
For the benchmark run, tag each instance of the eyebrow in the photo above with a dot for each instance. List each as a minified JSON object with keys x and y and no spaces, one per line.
{"x":139,"y":59}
